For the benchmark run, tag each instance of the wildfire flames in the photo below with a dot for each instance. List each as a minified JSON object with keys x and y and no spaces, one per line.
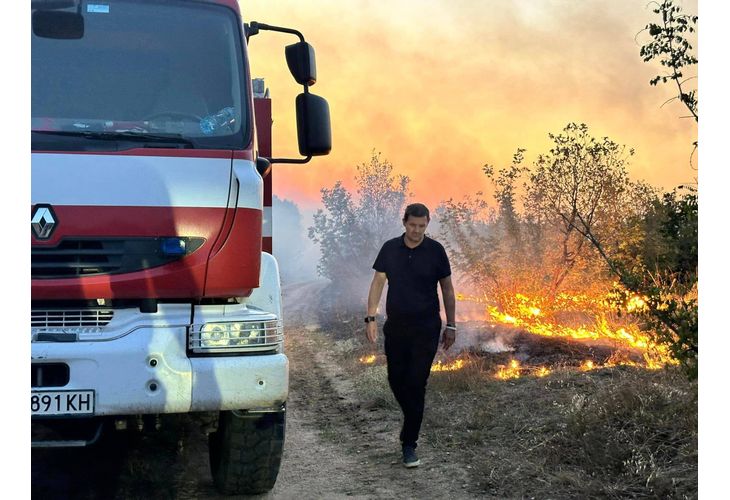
{"x":512,"y":370}
{"x":529,"y":315}
{"x":457,"y":364}
{"x":538,"y":318}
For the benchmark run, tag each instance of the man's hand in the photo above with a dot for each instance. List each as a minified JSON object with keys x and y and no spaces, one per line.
{"x":371,"y":331}
{"x":376,"y":289}
{"x":447,"y":338}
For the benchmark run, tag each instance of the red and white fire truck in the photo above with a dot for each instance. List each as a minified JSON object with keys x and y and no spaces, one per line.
{"x":154,"y":290}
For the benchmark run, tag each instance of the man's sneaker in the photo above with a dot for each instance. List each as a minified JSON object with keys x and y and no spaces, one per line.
{"x":410,"y":459}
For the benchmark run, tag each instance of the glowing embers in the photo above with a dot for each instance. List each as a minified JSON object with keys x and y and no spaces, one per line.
{"x":455,"y":365}
{"x":438,"y":366}
{"x":368,"y":360}
{"x":515,"y":370}
{"x":507,"y":372}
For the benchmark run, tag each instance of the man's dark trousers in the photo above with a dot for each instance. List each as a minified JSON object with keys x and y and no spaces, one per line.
{"x":410,"y":349}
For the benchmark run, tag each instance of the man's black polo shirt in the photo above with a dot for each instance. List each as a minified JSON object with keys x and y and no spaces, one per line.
{"x":413,"y":275}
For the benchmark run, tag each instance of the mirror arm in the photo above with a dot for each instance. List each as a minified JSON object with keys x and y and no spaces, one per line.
{"x":253,"y":28}
{"x":290,"y":160}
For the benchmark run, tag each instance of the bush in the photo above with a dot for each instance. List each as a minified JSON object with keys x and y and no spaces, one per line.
{"x":351,"y":231}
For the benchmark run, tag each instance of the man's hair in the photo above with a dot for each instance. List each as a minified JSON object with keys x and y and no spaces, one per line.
{"x":417,"y":210}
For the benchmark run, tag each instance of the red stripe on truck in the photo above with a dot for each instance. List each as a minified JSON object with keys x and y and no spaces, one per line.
{"x":185,"y":278}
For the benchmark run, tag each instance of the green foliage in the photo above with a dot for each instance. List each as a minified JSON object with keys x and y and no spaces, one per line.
{"x":665,"y":274}
{"x":581,"y":183}
{"x":577,"y":193}
{"x":670,"y":46}
{"x":351,"y":231}
{"x":664,"y":270}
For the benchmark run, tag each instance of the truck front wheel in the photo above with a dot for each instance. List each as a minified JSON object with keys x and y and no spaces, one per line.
{"x":245,"y":451}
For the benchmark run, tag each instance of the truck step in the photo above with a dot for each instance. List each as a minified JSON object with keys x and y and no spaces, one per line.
{"x":43,"y":436}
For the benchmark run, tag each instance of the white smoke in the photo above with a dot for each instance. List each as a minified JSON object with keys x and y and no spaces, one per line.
{"x":296,"y":253}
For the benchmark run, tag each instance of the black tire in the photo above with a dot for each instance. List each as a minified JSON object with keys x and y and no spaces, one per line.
{"x":245,"y":452}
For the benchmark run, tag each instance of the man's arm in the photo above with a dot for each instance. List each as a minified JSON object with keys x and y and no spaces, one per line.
{"x":449,"y":297}
{"x":376,"y":290}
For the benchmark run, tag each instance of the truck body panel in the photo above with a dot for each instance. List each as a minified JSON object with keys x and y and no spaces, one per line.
{"x":142,"y":366}
{"x":108,"y":197}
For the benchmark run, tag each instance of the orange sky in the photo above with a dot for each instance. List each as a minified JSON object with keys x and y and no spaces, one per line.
{"x":442,"y":87}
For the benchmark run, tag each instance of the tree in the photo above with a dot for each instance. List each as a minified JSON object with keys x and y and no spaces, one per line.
{"x":663,"y":270}
{"x":486,"y":244}
{"x":504,"y":255}
{"x":350,"y":231}
{"x":660,"y":263}
{"x":664,"y":275}
{"x":670,"y":46}
{"x":577,"y":193}
{"x":580,"y":178}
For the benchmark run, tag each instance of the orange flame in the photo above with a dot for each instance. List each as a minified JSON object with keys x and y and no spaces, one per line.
{"x":588,"y":365}
{"x":528,"y":314}
{"x":457,"y":364}
{"x":508,"y":372}
{"x":368,"y":360}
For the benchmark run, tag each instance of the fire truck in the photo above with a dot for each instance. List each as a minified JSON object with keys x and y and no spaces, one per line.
{"x":154,"y":289}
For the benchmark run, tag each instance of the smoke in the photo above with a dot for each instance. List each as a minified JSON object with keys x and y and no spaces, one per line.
{"x":488,"y":73}
{"x":296,"y":253}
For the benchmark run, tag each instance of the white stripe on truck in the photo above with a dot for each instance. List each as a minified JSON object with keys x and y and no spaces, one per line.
{"x":146,"y":181}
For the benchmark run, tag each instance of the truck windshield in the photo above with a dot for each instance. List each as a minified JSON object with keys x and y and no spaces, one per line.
{"x":152,"y":68}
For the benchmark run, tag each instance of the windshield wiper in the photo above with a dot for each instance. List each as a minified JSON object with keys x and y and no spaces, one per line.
{"x":122,"y":136}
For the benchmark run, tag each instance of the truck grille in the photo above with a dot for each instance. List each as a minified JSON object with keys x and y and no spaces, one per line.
{"x":70,"y":318}
{"x":87,"y":257}
{"x":77,"y":257}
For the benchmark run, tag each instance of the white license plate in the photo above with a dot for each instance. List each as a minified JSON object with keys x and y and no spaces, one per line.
{"x":61,"y":403}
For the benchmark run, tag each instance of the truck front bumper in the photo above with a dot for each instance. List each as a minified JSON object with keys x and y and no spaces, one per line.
{"x":148,"y":370}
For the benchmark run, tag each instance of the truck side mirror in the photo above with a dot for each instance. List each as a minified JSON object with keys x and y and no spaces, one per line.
{"x":313,"y":125}
{"x":58,"y":24}
{"x":313,"y":113}
{"x":301,"y":62}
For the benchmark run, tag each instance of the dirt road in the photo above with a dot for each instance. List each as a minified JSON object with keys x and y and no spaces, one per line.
{"x":335,"y":446}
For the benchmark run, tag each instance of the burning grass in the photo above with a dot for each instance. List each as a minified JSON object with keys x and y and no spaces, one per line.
{"x":576,"y":317}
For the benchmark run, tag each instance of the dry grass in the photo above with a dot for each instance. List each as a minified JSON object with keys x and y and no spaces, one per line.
{"x":616,"y":432}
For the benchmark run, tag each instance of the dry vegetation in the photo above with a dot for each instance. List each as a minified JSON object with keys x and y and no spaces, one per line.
{"x":620,"y":432}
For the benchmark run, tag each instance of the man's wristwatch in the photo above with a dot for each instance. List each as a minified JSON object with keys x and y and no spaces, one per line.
{"x":368,"y":319}
{"x":451,"y":326}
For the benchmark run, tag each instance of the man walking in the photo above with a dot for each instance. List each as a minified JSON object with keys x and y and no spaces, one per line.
{"x":412,"y":264}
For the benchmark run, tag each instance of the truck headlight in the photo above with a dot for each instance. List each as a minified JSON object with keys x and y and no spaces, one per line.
{"x":236,"y":336}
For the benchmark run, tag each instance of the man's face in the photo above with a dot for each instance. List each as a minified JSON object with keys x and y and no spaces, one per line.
{"x":415,"y":228}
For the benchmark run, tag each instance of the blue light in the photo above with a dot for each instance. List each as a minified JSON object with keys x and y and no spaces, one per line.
{"x":173,"y":246}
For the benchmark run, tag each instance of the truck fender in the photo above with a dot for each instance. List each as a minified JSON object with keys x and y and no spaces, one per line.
{"x":268,"y":295}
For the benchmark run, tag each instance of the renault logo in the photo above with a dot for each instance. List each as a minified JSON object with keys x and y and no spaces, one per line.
{"x":43,"y":222}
